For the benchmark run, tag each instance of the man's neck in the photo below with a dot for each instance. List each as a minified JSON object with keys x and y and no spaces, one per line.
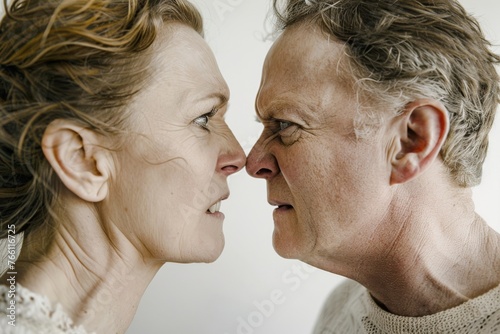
{"x":445,"y":255}
{"x":428,"y":253}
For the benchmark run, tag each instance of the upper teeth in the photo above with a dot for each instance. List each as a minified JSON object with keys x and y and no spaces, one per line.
{"x":215,"y":207}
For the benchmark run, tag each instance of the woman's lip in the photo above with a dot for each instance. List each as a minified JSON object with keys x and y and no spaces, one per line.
{"x":215,"y":206}
{"x":217,"y":215}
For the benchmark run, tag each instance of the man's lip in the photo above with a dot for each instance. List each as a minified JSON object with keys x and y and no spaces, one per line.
{"x":279,"y":204}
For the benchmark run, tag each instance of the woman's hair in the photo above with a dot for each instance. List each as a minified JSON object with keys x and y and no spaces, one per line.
{"x":81,"y":60}
{"x":401,"y":50}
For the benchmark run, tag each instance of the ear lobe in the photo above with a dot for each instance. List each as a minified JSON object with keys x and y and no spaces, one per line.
{"x":424,"y":129}
{"x":81,"y":164}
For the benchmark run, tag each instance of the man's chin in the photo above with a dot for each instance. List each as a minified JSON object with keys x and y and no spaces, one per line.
{"x":287,"y":249}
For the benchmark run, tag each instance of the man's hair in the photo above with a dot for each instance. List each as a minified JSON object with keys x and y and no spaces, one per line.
{"x":402,"y":50}
{"x":81,"y":60}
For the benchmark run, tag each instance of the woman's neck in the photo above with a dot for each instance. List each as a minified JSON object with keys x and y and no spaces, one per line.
{"x":94,"y":281}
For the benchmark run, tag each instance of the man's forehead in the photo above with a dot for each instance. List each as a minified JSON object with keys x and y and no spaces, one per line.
{"x":303,"y":48}
{"x":301,"y":56}
{"x":303,"y":52}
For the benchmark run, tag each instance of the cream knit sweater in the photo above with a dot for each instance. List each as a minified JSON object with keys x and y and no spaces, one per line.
{"x":33,"y":314}
{"x":350,"y":310}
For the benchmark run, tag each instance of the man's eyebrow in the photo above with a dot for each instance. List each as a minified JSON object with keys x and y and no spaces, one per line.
{"x":279,"y":106}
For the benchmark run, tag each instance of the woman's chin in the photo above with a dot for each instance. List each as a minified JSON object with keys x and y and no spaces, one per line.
{"x":205,"y":252}
{"x":211,"y":255}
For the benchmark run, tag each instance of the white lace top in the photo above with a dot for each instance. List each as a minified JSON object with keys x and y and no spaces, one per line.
{"x":33,"y":314}
{"x":350,"y":309}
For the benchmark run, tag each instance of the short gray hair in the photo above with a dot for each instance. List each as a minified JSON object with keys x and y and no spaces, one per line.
{"x":401,"y":50}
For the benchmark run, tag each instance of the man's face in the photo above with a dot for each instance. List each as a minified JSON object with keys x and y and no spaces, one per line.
{"x":327,"y":184}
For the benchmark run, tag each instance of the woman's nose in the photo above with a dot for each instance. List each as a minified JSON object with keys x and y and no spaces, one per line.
{"x":233,"y":159}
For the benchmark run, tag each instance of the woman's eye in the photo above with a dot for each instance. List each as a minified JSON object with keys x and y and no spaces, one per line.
{"x":202,"y":121}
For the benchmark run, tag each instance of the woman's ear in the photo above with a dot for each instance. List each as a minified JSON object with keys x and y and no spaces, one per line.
{"x":424,"y":128}
{"x":78,"y":158}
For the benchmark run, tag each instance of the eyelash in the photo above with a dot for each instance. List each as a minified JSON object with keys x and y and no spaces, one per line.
{"x":207,"y":117}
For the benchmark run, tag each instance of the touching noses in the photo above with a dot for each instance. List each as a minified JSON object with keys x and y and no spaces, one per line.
{"x":233,"y":159}
{"x":261,"y":163}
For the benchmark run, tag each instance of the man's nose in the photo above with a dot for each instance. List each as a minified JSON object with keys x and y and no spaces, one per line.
{"x":261,"y":163}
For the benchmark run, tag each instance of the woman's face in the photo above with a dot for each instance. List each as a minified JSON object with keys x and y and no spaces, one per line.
{"x":171,"y":176}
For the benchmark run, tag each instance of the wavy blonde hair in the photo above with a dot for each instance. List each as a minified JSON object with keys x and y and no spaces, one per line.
{"x":401,"y":50}
{"x":72,"y":59}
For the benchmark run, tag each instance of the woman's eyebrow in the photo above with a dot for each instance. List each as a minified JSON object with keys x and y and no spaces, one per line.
{"x":221,"y":97}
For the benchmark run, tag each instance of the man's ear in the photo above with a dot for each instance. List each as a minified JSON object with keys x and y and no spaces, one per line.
{"x":77,"y":157}
{"x":422,"y":130}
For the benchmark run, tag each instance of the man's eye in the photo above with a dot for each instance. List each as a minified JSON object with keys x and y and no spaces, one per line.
{"x":289,"y":132}
{"x":284,"y":125}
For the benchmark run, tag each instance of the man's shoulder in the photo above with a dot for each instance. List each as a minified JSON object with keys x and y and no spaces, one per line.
{"x":350,"y":309}
{"x":347,"y":292}
{"x":342,"y":309}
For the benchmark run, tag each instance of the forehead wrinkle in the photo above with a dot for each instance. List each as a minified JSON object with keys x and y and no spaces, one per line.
{"x":305,"y":66}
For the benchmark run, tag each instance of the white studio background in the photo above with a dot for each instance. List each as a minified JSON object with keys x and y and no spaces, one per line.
{"x":250,"y":289}
{"x":231,"y":295}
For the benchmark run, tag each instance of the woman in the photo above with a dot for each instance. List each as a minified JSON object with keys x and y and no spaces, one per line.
{"x":114,"y":157}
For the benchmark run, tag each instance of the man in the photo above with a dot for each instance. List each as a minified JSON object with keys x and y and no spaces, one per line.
{"x":376,"y":117}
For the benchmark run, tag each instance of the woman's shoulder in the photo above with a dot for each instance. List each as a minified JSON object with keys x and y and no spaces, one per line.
{"x":25,"y":312}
